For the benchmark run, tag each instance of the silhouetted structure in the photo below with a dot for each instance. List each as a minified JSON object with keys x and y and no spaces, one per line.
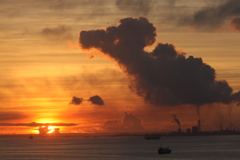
{"x":195,"y":129}
{"x":56,"y":131}
{"x":199,"y":125}
{"x":188,"y":131}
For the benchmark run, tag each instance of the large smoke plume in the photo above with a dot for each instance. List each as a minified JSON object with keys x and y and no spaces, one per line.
{"x":164,"y":76}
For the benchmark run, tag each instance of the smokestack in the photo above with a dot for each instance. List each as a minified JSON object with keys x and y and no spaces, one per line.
{"x":221,"y":127}
{"x":199,"y":125}
{"x":179,"y":129}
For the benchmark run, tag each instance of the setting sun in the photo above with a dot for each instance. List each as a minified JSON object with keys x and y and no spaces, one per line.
{"x":51,"y":129}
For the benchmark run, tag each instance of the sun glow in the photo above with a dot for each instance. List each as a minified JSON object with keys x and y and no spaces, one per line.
{"x":51,"y":129}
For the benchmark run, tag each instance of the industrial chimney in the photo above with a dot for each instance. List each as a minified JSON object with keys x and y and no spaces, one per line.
{"x":199,"y":125}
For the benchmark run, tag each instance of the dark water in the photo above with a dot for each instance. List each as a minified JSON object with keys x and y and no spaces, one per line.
{"x":131,"y":148}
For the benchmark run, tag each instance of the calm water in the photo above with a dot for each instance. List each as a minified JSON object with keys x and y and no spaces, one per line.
{"x":133,"y":148}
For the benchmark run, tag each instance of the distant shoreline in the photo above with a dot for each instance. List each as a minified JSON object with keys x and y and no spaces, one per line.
{"x":98,"y":135}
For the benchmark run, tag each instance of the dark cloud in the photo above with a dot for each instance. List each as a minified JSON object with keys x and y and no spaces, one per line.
{"x":96,"y":100}
{"x":130,"y":123}
{"x":34,"y":124}
{"x":7,"y":116}
{"x":76,"y":100}
{"x":140,"y":7}
{"x":236,"y":24}
{"x":59,"y":33}
{"x":214,"y":16}
{"x":164,"y":76}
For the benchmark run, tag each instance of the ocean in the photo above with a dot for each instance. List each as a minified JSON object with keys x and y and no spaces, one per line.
{"x":118,"y":148}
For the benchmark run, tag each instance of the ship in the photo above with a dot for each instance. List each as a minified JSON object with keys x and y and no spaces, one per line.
{"x":163,"y":150}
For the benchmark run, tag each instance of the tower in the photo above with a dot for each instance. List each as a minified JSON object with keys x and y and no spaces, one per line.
{"x":199,"y":125}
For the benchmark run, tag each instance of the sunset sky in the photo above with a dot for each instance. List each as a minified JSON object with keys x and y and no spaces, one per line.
{"x":44,"y":63}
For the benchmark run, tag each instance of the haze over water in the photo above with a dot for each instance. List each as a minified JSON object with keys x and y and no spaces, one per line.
{"x":109,"y":148}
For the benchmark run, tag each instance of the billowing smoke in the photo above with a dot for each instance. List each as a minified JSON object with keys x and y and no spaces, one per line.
{"x":76,"y":100}
{"x":96,"y":100}
{"x":236,"y":24}
{"x":164,"y":76}
{"x":176,"y":120}
{"x":215,"y":16}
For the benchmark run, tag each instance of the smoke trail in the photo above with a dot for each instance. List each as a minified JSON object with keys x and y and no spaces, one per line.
{"x":164,"y":76}
{"x":213,"y":17}
{"x":175,"y":119}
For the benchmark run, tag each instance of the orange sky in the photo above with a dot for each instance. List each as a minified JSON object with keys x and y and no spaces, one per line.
{"x":42,"y":66}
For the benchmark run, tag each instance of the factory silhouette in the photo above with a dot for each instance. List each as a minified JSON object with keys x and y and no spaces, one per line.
{"x":196,"y":130}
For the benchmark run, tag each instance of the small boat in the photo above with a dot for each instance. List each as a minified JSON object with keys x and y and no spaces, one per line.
{"x":31,"y":137}
{"x":163,"y":150}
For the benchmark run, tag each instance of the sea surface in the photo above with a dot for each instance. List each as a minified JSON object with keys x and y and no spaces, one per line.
{"x":118,"y":148}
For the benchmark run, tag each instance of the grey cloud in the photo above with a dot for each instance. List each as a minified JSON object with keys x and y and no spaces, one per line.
{"x":59,"y":33}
